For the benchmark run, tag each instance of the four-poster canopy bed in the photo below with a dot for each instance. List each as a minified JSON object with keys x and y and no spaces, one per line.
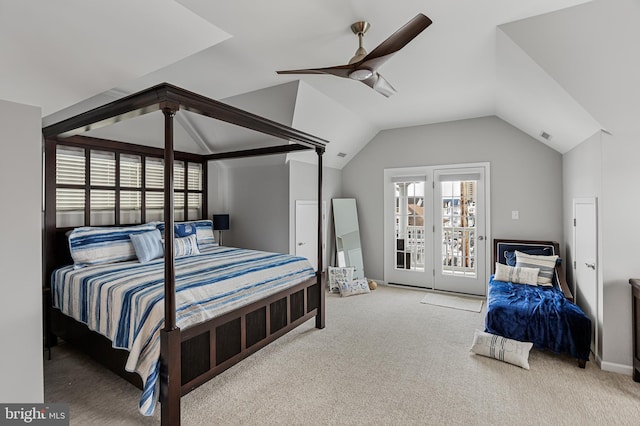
{"x":189,"y":357}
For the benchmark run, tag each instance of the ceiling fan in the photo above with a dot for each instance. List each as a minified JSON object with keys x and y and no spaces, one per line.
{"x":363,"y":67}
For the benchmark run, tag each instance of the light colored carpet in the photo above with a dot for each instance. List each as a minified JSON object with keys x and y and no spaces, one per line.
{"x":453,"y":301}
{"x":383,"y":359}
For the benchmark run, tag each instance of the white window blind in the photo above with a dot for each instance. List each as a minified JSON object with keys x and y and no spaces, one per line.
{"x":70,"y":165}
{"x":178,"y":175}
{"x":103,"y":168}
{"x":154,"y":173}
{"x":71,"y":178}
{"x":130,"y":171}
{"x":195,"y":177}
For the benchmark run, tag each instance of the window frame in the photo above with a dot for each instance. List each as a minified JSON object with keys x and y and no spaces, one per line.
{"x":119,"y":148}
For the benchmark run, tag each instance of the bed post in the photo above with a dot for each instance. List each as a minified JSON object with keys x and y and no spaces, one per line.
{"x":320,"y":315}
{"x":170,"y":345}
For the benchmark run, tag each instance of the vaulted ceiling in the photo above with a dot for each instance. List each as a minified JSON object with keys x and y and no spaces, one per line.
{"x":531,"y":63}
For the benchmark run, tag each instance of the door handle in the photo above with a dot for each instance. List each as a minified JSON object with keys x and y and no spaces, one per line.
{"x":301,"y":244}
{"x":590,"y":265}
{"x":480,"y":238}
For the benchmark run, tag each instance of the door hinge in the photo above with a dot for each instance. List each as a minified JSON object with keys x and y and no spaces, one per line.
{"x":434,"y":272}
{"x":574,"y":264}
{"x":433,"y":228}
{"x":574,"y":221}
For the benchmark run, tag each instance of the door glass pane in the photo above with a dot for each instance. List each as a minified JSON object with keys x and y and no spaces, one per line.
{"x":409,"y":225}
{"x":459,"y":200}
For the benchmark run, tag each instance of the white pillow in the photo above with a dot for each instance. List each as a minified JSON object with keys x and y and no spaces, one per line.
{"x":518,"y":275}
{"x":353,"y":287}
{"x":546,"y":264}
{"x":339,"y":273}
{"x":500,"y":348}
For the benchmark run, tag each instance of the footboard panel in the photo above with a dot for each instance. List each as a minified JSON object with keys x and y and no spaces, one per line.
{"x":212,"y":347}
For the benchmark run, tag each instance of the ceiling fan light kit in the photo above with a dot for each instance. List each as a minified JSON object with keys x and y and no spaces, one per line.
{"x":360,"y":74}
{"x":364,"y":66}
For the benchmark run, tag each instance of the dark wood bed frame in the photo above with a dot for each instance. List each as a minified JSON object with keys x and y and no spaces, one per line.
{"x":191,"y":357}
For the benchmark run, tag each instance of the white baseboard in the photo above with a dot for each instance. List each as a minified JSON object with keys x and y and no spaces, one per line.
{"x":616,"y":368}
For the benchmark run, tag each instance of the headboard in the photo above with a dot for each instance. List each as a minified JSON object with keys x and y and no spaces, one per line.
{"x":500,"y":246}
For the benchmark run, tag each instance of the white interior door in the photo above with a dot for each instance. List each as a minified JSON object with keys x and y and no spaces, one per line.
{"x":585,"y":276}
{"x":459,"y":215}
{"x":307,"y":231}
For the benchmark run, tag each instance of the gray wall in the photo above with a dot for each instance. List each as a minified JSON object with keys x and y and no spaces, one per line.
{"x":257,"y":200}
{"x":606,"y":166}
{"x":582,"y":177}
{"x":21,"y":366}
{"x":525,"y":175}
{"x":303,"y":185}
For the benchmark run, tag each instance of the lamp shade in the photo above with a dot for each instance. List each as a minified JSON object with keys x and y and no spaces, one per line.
{"x":220,"y":222}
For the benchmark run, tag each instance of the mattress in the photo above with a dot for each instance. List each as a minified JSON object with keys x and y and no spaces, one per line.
{"x":125,"y":301}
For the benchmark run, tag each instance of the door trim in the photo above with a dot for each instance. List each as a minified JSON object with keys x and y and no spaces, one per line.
{"x":599,"y":272}
{"x":429,"y":171}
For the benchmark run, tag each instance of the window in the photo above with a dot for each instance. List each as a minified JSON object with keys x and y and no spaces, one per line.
{"x":121,"y":188}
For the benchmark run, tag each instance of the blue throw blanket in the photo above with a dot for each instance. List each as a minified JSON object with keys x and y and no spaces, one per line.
{"x":541,"y":315}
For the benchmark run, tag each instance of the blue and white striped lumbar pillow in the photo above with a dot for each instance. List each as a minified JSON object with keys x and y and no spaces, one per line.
{"x":185,"y":246}
{"x":98,"y":245}
{"x":498,"y":347}
{"x":546,"y":264}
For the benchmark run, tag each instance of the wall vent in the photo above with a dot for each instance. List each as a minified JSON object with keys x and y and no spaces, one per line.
{"x":545,"y":135}
{"x":342,"y":154}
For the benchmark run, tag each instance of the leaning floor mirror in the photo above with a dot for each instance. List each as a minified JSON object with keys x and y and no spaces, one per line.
{"x":345,"y":221}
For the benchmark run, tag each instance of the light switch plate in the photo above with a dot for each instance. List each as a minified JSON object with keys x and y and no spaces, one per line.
{"x":515,"y":214}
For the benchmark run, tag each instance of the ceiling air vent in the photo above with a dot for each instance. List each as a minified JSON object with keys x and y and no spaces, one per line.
{"x":342,"y":154}
{"x":545,"y":135}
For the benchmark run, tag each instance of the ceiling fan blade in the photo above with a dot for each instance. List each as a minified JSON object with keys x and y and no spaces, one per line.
{"x":340,"y":71}
{"x":380,"y":85}
{"x":395,"y":42}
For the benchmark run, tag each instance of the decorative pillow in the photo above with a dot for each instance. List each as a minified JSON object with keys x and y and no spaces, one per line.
{"x":98,"y":245}
{"x":510,"y":256}
{"x":148,"y":245}
{"x":516,"y":275}
{"x":352,"y":287}
{"x":546,"y":264}
{"x":498,"y":347}
{"x":185,"y":246}
{"x":339,"y":273}
{"x":202,"y":229}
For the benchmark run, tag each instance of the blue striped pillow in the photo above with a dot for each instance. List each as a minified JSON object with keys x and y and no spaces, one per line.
{"x":185,"y":246}
{"x":148,"y":245}
{"x":203,"y":229}
{"x":98,"y":245}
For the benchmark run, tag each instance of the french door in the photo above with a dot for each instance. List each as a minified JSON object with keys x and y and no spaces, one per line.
{"x":435,"y":233}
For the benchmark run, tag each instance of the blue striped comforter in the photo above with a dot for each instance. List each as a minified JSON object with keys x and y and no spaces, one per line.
{"x":125,"y":301}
